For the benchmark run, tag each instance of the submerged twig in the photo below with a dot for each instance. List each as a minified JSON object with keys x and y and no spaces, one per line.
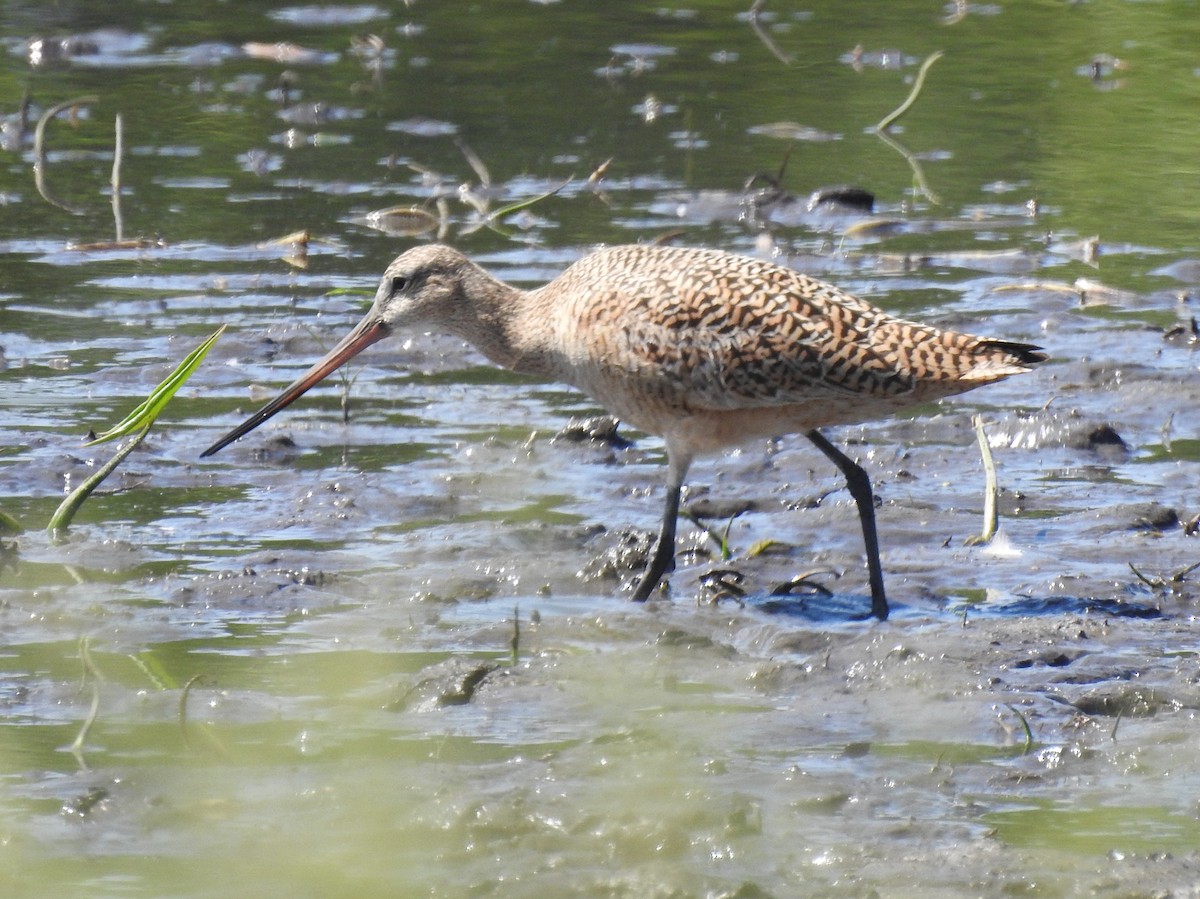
{"x":881,"y":130}
{"x":761,"y":33}
{"x":475,"y":162}
{"x":89,"y":672}
{"x":805,"y":580}
{"x":77,"y":743}
{"x":1165,"y":431}
{"x":515,"y":642}
{"x":39,"y":151}
{"x":87,"y":664}
{"x":1161,"y":583}
{"x":595,"y":181}
{"x":297,"y":242}
{"x":1025,"y":724}
{"x":990,"y":515}
{"x":118,"y":152}
{"x":1047,"y":286}
{"x":721,"y":584}
{"x":597,"y":176}
{"x":913,"y":163}
{"x":204,"y":729}
{"x":1152,"y":583}
{"x":957,"y":13}
{"x":721,"y":538}
{"x":155,"y":673}
{"x":890,"y":119}
{"x":183,"y":705}
{"x":1117,"y":723}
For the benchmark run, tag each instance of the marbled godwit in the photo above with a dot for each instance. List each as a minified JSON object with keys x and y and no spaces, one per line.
{"x":706,"y":349}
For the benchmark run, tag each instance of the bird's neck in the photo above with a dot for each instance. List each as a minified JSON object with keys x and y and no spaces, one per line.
{"x":504,"y":323}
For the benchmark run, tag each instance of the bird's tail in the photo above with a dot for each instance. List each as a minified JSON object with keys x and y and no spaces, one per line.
{"x":996,"y":359}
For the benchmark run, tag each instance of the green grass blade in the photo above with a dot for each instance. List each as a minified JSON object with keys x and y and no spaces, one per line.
{"x":525,"y":204}
{"x":144,"y":415}
{"x":69,"y":506}
{"x":8,"y":524}
{"x":138,"y":423}
{"x":890,"y":119}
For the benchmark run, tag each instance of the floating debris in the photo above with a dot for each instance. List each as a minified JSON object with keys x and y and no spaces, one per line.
{"x":860,"y":58}
{"x":287,"y":52}
{"x":423,"y":127}
{"x":757,"y":24}
{"x":135,"y":243}
{"x":401,"y":221}
{"x":793,"y":131}
{"x":320,"y":15}
{"x":98,"y":46}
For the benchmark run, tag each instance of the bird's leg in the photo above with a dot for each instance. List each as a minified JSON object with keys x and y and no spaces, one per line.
{"x":860,"y":489}
{"x":663,"y":558}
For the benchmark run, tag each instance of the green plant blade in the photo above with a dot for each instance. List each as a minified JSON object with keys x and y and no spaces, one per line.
{"x":9,"y":525}
{"x":68,"y":507}
{"x":525,"y":204}
{"x":138,"y":423}
{"x":144,"y":415}
{"x":890,"y":119}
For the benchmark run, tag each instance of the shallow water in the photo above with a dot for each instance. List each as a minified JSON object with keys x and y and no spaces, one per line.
{"x":297,"y":659}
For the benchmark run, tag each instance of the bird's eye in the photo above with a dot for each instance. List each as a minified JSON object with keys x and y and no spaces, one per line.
{"x":399,"y":282}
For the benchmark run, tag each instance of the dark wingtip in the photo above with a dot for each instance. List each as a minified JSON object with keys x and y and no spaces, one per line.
{"x":1024,"y":353}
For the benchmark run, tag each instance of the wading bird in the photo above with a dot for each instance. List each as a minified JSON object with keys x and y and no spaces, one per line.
{"x":706,"y":349}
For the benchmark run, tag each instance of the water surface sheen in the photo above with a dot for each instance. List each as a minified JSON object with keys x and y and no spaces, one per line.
{"x":390,"y":655}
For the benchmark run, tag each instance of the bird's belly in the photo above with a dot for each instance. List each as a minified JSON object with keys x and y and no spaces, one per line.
{"x":709,"y":432}
{"x":692,"y":425}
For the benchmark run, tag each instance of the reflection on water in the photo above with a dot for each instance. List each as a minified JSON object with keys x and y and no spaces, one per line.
{"x":391,"y":655}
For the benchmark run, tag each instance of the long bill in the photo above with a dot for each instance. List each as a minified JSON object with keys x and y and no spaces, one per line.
{"x":370,"y":330}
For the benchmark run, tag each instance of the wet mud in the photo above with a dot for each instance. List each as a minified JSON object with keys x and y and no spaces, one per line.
{"x":383,"y":645}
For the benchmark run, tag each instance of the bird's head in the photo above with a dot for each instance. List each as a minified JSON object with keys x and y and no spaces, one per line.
{"x":423,"y":285}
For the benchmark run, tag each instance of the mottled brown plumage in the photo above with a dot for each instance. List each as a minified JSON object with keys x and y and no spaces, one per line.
{"x":706,"y":349}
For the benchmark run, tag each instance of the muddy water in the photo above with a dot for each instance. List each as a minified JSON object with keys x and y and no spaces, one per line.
{"x":390,"y":656}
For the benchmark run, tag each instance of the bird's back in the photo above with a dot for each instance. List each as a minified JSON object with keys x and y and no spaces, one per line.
{"x":656,"y":333}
